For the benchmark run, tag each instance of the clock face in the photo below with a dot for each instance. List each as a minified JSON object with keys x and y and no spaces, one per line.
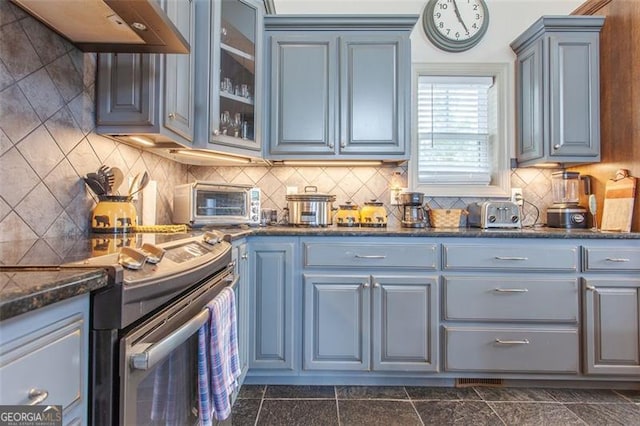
{"x":455,"y":25}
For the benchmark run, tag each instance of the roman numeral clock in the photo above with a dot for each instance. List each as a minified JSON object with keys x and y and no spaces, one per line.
{"x":455,"y":25}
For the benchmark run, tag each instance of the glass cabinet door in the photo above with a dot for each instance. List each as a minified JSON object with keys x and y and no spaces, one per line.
{"x":233,"y":109}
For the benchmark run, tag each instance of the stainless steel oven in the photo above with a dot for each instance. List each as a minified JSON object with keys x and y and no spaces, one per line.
{"x":159,"y":366}
{"x":144,"y":332}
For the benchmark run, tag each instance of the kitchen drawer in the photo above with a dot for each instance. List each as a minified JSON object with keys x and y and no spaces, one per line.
{"x":611,"y":259}
{"x":49,"y":359}
{"x":368,"y":255}
{"x":514,"y":298}
{"x":510,"y":257}
{"x":512,"y":349}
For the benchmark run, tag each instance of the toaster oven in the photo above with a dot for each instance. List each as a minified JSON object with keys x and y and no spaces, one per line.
{"x":494,"y":214}
{"x":209,"y":203}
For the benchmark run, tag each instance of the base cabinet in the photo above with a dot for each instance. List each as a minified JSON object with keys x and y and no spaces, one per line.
{"x":612,"y":326}
{"x":241,"y":290}
{"x":272,"y":315}
{"x":44,"y":358}
{"x":370,"y":322}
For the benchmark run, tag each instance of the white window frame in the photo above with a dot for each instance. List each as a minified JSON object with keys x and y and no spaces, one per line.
{"x":500,"y":185}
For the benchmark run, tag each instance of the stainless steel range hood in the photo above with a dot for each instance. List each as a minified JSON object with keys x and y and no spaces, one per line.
{"x":124,"y":26}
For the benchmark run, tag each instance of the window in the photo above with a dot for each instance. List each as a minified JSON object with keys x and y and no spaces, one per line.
{"x":459,"y":145}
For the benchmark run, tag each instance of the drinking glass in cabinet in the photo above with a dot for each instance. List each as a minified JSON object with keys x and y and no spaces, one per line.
{"x":225,"y":122}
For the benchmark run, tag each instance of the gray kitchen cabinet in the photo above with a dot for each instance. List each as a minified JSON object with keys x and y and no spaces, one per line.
{"x":611,"y":297}
{"x":230,"y":66}
{"x":150,"y":94}
{"x":44,"y":358}
{"x":272,"y":289}
{"x":364,"y":310}
{"x":241,"y":258}
{"x":558,"y":91}
{"x":337,"y":327}
{"x":514,"y":305}
{"x":339,"y":87}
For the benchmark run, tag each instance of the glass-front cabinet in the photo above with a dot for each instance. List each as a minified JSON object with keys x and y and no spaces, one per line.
{"x":234,"y":78}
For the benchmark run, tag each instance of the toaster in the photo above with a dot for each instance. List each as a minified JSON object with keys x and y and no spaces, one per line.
{"x":494,"y":214}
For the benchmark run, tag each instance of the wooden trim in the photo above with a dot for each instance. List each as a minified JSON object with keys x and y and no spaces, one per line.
{"x":590,"y":7}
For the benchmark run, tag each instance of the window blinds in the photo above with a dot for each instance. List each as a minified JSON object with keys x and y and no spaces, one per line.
{"x":453,"y":130}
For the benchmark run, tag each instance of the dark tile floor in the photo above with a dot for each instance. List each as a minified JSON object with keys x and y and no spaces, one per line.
{"x":388,"y":406}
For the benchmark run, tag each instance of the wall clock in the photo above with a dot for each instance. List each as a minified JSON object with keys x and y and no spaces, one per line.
{"x":455,"y":25}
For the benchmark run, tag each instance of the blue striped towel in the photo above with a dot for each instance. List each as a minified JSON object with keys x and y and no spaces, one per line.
{"x":218,"y":361}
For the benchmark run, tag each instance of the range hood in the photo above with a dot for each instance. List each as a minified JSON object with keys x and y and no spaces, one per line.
{"x":117,"y":26}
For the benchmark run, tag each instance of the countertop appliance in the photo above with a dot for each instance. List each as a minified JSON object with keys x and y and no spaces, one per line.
{"x":203,"y":203}
{"x":494,"y":214}
{"x":310,"y":208}
{"x":413,"y":210}
{"x":565,"y":212}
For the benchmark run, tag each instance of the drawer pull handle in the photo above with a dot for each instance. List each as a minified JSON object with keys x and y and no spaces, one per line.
{"x":36,"y":396}
{"x":591,"y":288}
{"x":617,"y":259}
{"x":511,"y":290}
{"x":511,"y":258}
{"x":371,"y":256}
{"x":512,"y":342}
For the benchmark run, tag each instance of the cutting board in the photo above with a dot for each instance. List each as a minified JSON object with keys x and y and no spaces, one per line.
{"x":618,"y":204}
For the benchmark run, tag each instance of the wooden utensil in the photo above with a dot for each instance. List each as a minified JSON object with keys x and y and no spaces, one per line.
{"x":618,"y":202}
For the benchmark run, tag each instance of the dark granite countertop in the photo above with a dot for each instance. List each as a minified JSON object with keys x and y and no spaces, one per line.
{"x":25,"y":290}
{"x":336,"y":231}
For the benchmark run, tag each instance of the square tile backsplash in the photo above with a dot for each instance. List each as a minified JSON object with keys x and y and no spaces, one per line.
{"x":48,"y":143}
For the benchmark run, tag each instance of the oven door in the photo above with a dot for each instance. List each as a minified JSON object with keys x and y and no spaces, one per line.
{"x":158,"y":362}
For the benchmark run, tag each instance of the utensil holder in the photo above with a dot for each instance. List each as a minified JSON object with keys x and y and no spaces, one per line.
{"x":114,"y":214}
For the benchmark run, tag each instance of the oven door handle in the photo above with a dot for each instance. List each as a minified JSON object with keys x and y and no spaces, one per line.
{"x":158,"y":351}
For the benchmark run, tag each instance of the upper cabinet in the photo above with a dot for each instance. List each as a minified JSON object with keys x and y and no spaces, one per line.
{"x":558,"y":91}
{"x":230,"y":56}
{"x":150,"y":94}
{"x":205,"y":99}
{"x":339,"y":87}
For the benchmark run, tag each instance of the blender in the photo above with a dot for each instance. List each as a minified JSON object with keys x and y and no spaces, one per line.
{"x":565,"y":211}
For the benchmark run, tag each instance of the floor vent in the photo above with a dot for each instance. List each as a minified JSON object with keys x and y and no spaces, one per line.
{"x":465,"y":383}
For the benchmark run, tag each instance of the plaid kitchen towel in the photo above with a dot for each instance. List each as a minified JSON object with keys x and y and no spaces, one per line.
{"x":221,"y":351}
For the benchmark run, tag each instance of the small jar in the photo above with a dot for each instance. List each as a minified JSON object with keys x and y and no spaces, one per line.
{"x":114,"y":214}
{"x":373,"y":214}
{"x":348,"y":214}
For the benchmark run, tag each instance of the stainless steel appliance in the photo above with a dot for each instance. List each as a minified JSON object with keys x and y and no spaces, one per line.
{"x":208,"y":203}
{"x":310,"y":208}
{"x":143,"y":330}
{"x":565,"y":211}
{"x":494,"y":214}
{"x":414,"y":213}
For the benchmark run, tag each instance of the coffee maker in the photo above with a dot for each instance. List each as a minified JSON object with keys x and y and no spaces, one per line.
{"x":413,"y":210}
{"x":565,"y":211}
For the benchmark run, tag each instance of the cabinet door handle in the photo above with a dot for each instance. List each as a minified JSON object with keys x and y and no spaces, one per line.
{"x":510,"y":258}
{"x":511,"y":290}
{"x":245,"y":256}
{"x":556,"y":146}
{"x":365,"y":285}
{"x":376,"y":285}
{"x":343,"y":144}
{"x":617,"y":259}
{"x":370,"y":256}
{"x":512,"y":342}
{"x":590,"y":288}
{"x":331,"y":145}
{"x":36,"y":396}
{"x":172,"y":116}
{"x":216,"y":132}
